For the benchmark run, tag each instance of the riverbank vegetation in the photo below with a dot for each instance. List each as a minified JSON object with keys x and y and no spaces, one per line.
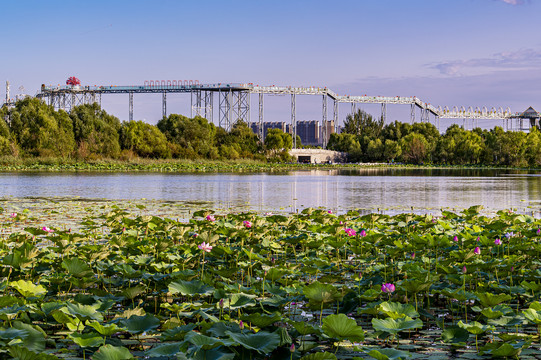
{"x":312,"y":285}
{"x":369,"y":140}
{"x":34,"y":130}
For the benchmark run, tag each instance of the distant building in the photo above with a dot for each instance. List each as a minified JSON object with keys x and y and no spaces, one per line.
{"x":269,"y":125}
{"x":309,"y":131}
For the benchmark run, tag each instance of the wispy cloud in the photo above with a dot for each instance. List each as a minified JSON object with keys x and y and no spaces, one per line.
{"x":510,"y":60}
{"x":514,"y":2}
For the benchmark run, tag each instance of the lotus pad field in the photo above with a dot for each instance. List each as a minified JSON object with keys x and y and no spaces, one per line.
{"x":312,"y":285}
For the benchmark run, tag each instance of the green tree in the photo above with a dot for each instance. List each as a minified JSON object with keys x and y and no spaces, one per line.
{"x":7,"y":144}
{"x":95,"y":131}
{"x":363,"y":124}
{"x":396,"y":130}
{"x":392,"y":150}
{"x":41,"y":131}
{"x":274,"y":141}
{"x":374,"y":150}
{"x":144,"y":139}
{"x":414,"y":148}
{"x":195,"y":138}
{"x":239,"y":142}
{"x":533,"y":147}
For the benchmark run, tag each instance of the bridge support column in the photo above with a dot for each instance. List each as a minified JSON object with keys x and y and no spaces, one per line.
{"x":412,"y":114}
{"x":294,"y":120}
{"x":196,"y":105}
{"x":130,"y":96}
{"x":324,"y":125}
{"x":353,"y":108}
{"x":241,"y":107}
{"x":261,"y":117}
{"x":164,"y":104}
{"x":384,"y":112}
{"x":335,"y":115}
{"x":207,"y":100}
{"x":225,"y":109}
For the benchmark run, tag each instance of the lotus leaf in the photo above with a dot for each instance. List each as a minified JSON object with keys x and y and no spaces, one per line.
{"x":212,"y":354}
{"x":262,"y":342}
{"x":139,"y":324}
{"x":388,"y":354}
{"x":84,"y":312}
{"x":475,"y":327}
{"x":455,"y":335}
{"x":394,"y":326}
{"x":397,"y":310}
{"x":305,"y":328}
{"x":319,"y":356}
{"x":168,"y":350}
{"x":105,"y":330}
{"x":262,"y":320}
{"x":77,"y":267}
{"x":190,"y":288}
{"x":239,"y":301}
{"x":206,"y":342}
{"x":532,"y":315}
{"x":22,"y":353}
{"x":110,"y":352}
{"x":177,"y":333}
{"x":504,"y":349}
{"x":341,"y":327}
{"x":87,"y":339}
{"x":490,"y":300}
{"x":28,"y":289}
{"x":506,"y":321}
{"x":321,"y":294}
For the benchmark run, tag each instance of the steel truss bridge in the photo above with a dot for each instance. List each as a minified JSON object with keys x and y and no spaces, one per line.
{"x":234,"y":101}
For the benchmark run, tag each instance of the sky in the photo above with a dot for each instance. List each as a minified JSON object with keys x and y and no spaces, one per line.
{"x":446,"y":52}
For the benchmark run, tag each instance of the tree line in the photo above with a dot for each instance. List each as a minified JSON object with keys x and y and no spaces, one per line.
{"x":367,"y":139}
{"x":34,"y":129}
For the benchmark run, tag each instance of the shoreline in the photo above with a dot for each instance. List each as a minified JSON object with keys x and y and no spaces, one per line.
{"x":187,"y":166}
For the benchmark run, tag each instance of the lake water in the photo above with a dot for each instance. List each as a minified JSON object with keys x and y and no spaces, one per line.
{"x":390,"y":190}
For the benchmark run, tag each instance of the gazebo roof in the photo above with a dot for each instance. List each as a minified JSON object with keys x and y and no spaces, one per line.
{"x":529,"y":113}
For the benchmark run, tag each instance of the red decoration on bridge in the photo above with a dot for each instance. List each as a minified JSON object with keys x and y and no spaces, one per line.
{"x":73,"y":81}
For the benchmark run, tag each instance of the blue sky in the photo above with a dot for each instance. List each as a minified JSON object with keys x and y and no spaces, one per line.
{"x":446,"y":52}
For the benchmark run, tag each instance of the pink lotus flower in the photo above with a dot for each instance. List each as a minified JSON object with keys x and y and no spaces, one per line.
{"x":241,"y":325}
{"x":292,"y":348}
{"x":210,"y":218}
{"x":464,"y":270}
{"x":478,"y":239}
{"x":455,"y":239}
{"x":195,"y":235}
{"x":205,"y":247}
{"x":477,"y":250}
{"x":247,"y":224}
{"x":388,"y":288}
{"x":413,"y":255}
{"x":363,"y":233}
{"x":538,"y":231}
{"x":13,"y":215}
{"x":497,"y":242}
{"x":46,"y":229}
{"x":350,"y":232}
{"x":330,"y":211}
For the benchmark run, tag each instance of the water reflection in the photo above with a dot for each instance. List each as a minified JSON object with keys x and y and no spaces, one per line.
{"x":385,"y":189}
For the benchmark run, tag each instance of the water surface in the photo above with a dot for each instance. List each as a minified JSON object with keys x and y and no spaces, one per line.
{"x":339,"y":190}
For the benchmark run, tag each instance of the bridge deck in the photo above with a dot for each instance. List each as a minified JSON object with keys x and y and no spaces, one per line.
{"x":157,"y":87}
